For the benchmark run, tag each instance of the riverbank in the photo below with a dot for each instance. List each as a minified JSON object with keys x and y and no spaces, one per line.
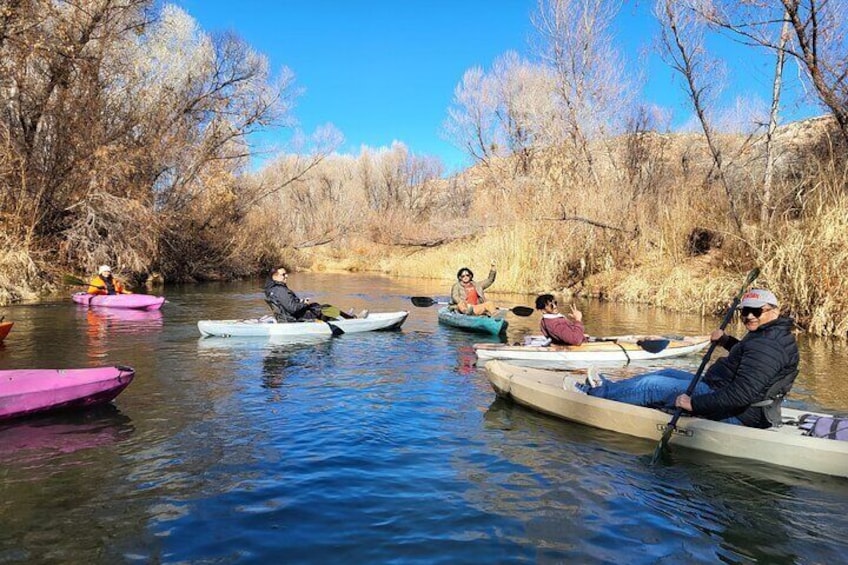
{"x":697,"y":285}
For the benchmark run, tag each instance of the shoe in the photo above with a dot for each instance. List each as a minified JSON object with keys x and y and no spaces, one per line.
{"x":363,"y":314}
{"x":574,"y":385}
{"x":593,"y":377}
{"x":349,"y":312}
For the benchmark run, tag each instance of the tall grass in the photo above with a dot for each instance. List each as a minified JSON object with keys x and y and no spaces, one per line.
{"x":19,"y":274}
{"x":806,"y":259}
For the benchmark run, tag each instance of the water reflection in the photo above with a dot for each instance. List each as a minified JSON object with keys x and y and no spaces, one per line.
{"x":40,"y":438}
{"x":120,"y":320}
{"x":385,"y":447}
{"x":221,"y":344}
{"x":703,"y":509}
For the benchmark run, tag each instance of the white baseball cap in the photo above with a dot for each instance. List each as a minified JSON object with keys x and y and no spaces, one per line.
{"x":757,"y":298}
{"x":104,"y":269}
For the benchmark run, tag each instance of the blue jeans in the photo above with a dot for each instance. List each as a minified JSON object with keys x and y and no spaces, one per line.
{"x":654,"y":390}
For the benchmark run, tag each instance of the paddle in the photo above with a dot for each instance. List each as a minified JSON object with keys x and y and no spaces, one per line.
{"x":331,"y":311}
{"x":425,"y":301}
{"x":76,"y":281}
{"x":337,"y":331}
{"x":649,"y":345}
{"x":672,"y":425}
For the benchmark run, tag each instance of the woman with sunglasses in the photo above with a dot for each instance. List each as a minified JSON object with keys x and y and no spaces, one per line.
{"x":468,"y":297}
{"x":745,"y":387}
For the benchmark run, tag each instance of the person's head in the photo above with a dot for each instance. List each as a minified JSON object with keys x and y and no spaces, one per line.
{"x":547,"y":303}
{"x":280,"y":275}
{"x":465,"y":275}
{"x":758,"y":307}
{"x":105,"y":271}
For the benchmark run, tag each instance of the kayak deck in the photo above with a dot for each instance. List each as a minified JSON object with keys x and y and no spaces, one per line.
{"x":129,"y":301}
{"x":480,"y":324}
{"x":605,"y":351}
{"x":267,"y":327}
{"x":24,"y":392}
{"x":551,"y":392}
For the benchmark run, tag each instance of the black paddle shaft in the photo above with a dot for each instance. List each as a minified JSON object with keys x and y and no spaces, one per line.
{"x":727,"y":317}
{"x":672,"y":425}
{"x":426,"y":301}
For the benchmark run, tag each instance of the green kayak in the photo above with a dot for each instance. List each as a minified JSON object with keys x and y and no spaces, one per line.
{"x":480,"y":324}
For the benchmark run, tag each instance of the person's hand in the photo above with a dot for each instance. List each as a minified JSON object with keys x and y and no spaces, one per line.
{"x":493,"y":263}
{"x":683,"y":401}
{"x":576,"y":314}
{"x":716,"y":335}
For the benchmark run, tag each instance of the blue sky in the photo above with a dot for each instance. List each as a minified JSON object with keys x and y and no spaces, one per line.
{"x":383,"y":70}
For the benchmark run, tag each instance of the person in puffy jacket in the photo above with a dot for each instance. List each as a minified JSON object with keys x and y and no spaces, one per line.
{"x":469,"y":297}
{"x":745,"y":387}
{"x":285,"y":303}
{"x":104,"y":283}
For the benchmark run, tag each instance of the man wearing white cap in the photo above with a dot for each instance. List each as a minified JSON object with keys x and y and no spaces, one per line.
{"x":104,"y":283}
{"x":745,"y":387}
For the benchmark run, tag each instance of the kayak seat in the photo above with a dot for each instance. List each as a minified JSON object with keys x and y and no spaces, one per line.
{"x":277,"y":311}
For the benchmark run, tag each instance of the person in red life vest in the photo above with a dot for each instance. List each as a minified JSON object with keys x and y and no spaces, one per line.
{"x":468,"y":297}
{"x":104,"y":283}
{"x":562,"y":330}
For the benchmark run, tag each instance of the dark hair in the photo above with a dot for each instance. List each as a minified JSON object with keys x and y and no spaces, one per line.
{"x":464,"y":270}
{"x":543,"y":300}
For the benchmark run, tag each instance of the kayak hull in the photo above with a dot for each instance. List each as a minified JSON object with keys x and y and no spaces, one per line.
{"x":5,"y":328}
{"x":30,"y":391}
{"x":478,"y":324}
{"x":128,"y":301}
{"x":377,"y":321}
{"x":623,"y":351}
{"x":551,"y":392}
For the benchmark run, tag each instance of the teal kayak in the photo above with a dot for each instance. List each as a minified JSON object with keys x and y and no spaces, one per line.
{"x":479,"y":324}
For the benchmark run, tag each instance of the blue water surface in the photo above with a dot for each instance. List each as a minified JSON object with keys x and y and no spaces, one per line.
{"x":373,"y":448}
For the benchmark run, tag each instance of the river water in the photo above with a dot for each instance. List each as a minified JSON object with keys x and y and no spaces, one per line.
{"x":372,"y":448}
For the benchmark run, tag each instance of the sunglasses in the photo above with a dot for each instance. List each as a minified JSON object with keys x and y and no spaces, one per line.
{"x":756,"y":312}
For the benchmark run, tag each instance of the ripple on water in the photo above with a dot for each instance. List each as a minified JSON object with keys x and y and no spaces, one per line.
{"x":380,"y":448}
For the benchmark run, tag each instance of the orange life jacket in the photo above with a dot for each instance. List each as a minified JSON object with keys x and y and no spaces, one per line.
{"x":98,"y":286}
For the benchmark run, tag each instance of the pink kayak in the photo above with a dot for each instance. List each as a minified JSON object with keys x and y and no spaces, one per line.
{"x":28,"y":391}
{"x":133,"y":301}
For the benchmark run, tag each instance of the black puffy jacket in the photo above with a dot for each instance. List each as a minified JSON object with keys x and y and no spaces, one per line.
{"x":760,"y":367}
{"x":290,"y":308}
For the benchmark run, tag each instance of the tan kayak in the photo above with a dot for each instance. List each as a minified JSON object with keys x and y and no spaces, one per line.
{"x":610,"y":351}
{"x":551,"y":392}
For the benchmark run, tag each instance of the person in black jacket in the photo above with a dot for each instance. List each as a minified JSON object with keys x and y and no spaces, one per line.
{"x":745,"y":387}
{"x":287,"y":307}
{"x":285,"y":303}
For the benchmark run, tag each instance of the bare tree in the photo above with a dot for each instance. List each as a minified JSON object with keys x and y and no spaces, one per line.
{"x":471,"y":123}
{"x":683,"y":49}
{"x":817,"y":40}
{"x":575,"y":42}
{"x":768,"y":175}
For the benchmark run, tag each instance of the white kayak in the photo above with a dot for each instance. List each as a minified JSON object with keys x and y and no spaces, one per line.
{"x":608,"y":351}
{"x":267,"y":327}
{"x":551,"y":392}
